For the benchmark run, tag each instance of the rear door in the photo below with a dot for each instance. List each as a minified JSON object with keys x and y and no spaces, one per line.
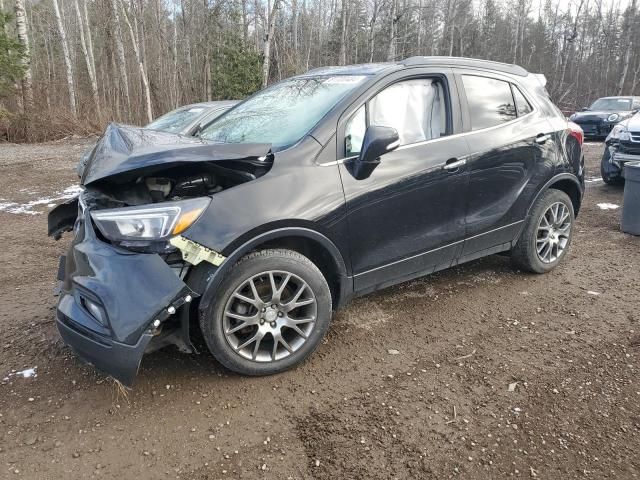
{"x":512,"y":151}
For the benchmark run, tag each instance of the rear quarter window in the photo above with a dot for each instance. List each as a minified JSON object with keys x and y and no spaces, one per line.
{"x":489,"y":100}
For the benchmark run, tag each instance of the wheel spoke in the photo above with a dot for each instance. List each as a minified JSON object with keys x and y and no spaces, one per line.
{"x":254,"y":290}
{"x":298,"y":321}
{"x":259,"y":337}
{"x":256,"y":337}
{"x":240,"y":326}
{"x":298,"y":330}
{"x":246,"y":299}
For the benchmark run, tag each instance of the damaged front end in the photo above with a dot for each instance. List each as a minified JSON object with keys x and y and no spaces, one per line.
{"x":124,"y":280}
{"x":621,"y":146}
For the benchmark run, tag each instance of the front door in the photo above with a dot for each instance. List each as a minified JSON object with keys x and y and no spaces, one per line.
{"x":407,"y":218}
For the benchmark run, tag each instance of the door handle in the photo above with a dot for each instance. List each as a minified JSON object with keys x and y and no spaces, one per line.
{"x":542,"y":138}
{"x":454,"y":164}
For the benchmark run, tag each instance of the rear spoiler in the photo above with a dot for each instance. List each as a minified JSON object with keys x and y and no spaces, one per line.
{"x":540,"y":78}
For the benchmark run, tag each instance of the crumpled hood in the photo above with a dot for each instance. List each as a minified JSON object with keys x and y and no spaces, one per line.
{"x":633,"y":123}
{"x":124,"y":148}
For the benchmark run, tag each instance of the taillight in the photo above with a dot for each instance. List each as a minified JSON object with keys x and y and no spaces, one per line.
{"x":576,"y":132}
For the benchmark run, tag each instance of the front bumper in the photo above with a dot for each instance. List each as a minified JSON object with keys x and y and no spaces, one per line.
{"x":617,"y":160}
{"x":596,"y":130}
{"x":110,"y":298}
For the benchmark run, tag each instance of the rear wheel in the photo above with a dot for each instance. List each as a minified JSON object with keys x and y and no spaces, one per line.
{"x":270,"y":314}
{"x":547,"y":233}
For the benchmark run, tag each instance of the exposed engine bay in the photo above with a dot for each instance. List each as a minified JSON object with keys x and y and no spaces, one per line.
{"x":132,"y":166}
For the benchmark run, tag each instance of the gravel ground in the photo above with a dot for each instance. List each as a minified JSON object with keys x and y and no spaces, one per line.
{"x":477,"y":372}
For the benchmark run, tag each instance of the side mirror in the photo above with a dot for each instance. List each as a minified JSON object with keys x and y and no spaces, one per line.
{"x":377,"y":141}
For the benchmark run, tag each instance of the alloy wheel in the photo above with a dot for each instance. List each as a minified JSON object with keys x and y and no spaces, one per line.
{"x":269,"y":316}
{"x":553,"y":232}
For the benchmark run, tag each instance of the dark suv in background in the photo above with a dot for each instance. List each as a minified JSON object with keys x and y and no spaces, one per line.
{"x":326,"y":185}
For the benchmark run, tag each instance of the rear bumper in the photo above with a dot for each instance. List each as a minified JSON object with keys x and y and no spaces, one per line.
{"x":109,"y":300}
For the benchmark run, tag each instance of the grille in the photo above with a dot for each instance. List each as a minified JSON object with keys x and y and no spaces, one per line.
{"x":635,"y":136}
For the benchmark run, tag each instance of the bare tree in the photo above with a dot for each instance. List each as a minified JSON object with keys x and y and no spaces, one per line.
{"x":122,"y":60}
{"x":23,"y":38}
{"x":266,"y":61}
{"x":67,"y":59}
{"x":87,"y":58}
{"x":143,"y":72}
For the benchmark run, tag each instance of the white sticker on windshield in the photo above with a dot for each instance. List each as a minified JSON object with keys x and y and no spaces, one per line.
{"x":345,"y":79}
{"x":196,"y":110}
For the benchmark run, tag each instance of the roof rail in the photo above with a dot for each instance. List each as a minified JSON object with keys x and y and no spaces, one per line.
{"x":466,"y":62}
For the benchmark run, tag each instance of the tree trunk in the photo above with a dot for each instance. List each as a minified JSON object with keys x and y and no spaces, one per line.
{"x":342,"y":52}
{"x":87,"y":59}
{"x":23,"y":38}
{"x":625,"y":68}
{"x":141,"y":67}
{"x":391,"y":50}
{"x":267,"y":44}
{"x":122,"y":61}
{"x":67,"y":60}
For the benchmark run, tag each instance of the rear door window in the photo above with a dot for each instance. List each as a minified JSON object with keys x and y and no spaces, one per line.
{"x":489,"y":100}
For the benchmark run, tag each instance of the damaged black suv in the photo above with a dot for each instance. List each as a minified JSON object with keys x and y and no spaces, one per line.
{"x":326,"y":185}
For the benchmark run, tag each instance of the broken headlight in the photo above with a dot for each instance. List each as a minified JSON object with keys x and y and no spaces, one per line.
{"x":158,"y":221}
{"x":619,"y":132}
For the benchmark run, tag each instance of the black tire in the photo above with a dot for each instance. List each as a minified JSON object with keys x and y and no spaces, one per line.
{"x":525,"y":255}
{"x":211,"y":321}
{"x":606,"y":177}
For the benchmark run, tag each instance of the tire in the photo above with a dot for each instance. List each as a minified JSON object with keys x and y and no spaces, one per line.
{"x":266,"y":316}
{"x":606,"y":176}
{"x":525,"y":253}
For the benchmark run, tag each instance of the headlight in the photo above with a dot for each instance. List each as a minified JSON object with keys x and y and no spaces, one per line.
{"x":572,"y":117}
{"x":158,"y":221}
{"x":613,"y":117}
{"x":619,"y":132}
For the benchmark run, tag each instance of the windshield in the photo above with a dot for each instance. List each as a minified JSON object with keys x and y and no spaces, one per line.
{"x":611,"y":104}
{"x":177,"y":120}
{"x":282,"y":114}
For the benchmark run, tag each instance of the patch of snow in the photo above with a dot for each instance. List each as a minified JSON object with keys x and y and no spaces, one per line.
{"x":608,"y":206}
{"x":593,"y":180}
{"x":29,"y":207}
{"x":27,"y":373}
{"x":591,"y":292}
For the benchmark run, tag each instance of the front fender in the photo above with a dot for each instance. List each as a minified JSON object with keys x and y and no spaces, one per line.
{"x":214,"y":278}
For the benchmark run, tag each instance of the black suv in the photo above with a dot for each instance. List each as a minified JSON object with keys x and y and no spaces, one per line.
{"x":326,"y":185}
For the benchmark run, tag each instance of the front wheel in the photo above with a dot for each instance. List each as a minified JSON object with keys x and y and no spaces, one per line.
{"x":547,"y":233}
{"x":270,"y":313}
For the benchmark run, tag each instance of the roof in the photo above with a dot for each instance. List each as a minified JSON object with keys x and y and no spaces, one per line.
{"x":360,"y":69}
{"x":373,"y":68}
{"x":466,"y":62}
{"x":213,"y":104}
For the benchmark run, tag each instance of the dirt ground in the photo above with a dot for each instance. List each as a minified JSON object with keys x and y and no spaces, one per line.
{"x":477,"y":372}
